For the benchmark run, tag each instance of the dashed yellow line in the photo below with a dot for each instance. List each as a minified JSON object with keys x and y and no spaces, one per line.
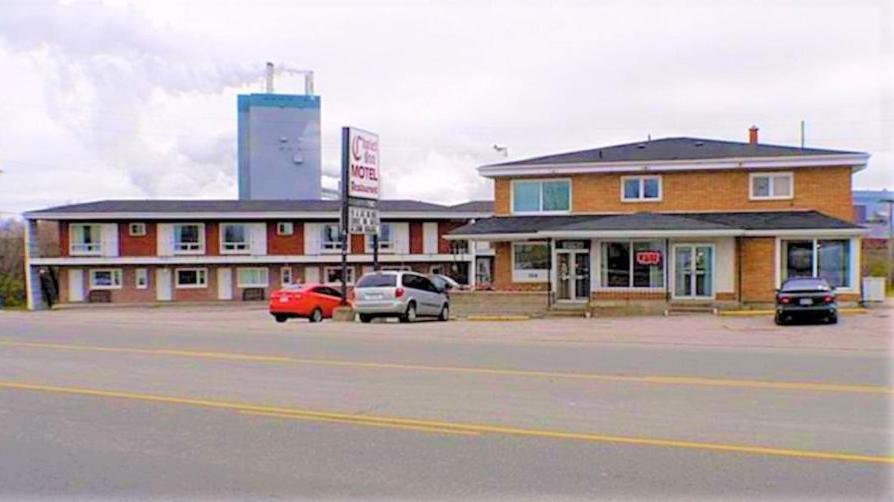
{"x":641,"y":379}
{"x":443,"y":427}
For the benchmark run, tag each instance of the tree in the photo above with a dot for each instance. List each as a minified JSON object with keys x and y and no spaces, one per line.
{"x":12,"y":262}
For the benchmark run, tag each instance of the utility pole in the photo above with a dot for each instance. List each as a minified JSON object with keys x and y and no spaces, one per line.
{"x":889,"y":266}
{"x":802,"y":133}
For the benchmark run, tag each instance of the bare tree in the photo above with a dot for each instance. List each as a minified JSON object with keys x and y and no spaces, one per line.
{"x":12,"y":262}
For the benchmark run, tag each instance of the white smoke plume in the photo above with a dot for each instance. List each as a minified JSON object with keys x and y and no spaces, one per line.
{"x":116,"y":80}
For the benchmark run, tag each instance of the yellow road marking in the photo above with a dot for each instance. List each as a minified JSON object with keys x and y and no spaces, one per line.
{"x":454,"y":426}
{"x":653,"y":379}
{"x":360,"y":421}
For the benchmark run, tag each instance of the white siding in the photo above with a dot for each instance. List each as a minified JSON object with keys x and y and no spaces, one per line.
{"x":75,"y":285}
{"x":430,"y":237}
{"x":312,"y":232}
{"x":109,"y":239}
{"x":401,"y":237}
{"x":165,"y":239}
{"x":311,"y":274}
{"x":725,"y":261}
{"x":258,"y":238}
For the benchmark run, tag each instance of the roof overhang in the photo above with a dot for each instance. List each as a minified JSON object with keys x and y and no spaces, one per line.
{"x":856,"y":161}
{"x":245,"y":215}
{"x":660,"y":234}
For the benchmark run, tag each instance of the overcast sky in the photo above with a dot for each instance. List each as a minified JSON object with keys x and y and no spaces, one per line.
{"x":138,"y":99}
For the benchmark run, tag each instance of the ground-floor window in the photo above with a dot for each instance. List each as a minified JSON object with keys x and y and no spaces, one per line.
{"x":530,"y":261}
{"x":191,"y":278}
{"x":332,"y":275}
{"x":105,"y":278}
{"x":826,"y":258}
{"x":254,"y":277}
{"x":436,"y":269}
{"x":632,"y":264}
{"x":141,"y":278}
{"x":285,"y":276}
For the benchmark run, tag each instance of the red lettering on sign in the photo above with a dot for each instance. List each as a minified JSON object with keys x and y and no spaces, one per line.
{"x":648,"y":257}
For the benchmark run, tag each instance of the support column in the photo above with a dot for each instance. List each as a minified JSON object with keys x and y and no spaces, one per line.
{"x":33,"y":293}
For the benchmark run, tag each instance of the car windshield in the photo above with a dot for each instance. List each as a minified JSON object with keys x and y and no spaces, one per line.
{"x":293,"y":287}
{"x":807,"y":284}
{"x":377,"y":281}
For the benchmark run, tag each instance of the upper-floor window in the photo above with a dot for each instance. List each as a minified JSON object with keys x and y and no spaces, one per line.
{"x":234,"y":237}
{"x":136,"y":229}
{"x":285,"y":228}
{"x":541,"y":196}
{"x":330,"y":239}
{"x":189,"y":238}
{"x":640,"y":188}
{"x":386,"y":238}
{"x":85,"y":238}
{"x":768,"y":186}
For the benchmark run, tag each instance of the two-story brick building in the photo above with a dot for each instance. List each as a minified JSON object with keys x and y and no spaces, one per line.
{"x":146,"y":251}
{"x":683,"y":220}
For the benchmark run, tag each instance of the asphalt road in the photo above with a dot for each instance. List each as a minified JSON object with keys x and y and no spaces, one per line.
{"x":211,"y":403}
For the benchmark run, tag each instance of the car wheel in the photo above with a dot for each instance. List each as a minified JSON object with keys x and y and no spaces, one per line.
{"x":778,"y":320}
{"x":445,"y":313}
{"x":280,"y":318}
{"x":410,"y":315}
{"x":832,"y":319}
{"x":316,"y":315}
{"x":366,"y":318}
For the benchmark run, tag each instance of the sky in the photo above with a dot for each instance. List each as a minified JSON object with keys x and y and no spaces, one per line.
{"x":121,"y":99}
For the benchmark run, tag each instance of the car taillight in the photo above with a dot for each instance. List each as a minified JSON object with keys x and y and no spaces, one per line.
{"x":784,"y":299}
{"x":398,"y":292}
{"x":828,"y":299}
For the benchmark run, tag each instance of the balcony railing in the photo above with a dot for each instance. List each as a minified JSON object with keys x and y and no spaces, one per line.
{"x":85,"y":248}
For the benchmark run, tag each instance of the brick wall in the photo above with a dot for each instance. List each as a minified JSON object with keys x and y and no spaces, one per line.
{"x":826,"y":189}
{"x":445,"y":227}
{"x":129,"y":245}
{"x":212,"y":238}
{"x":758,"y":268}
{"x":285,"y":244}
{"x":63,"y":238}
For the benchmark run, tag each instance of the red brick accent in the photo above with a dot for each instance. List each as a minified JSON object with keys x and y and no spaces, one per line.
{"x":137,"y":245}
{"x":416,"y":237}
{"x":358,"y":243}
{"x":212,"y":238}
{"x":63,"y":238}
{"x":285,"y":244}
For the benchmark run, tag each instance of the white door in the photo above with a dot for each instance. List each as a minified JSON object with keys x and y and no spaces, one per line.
{"x":224,"y":284}
{"x":311,"y":275}
{"x":163,"y":284}
{"x":75,"y":285}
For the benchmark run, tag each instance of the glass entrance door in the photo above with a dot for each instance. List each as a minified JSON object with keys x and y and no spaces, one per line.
{"x":573,"y":275}
{"x":693,"y":271}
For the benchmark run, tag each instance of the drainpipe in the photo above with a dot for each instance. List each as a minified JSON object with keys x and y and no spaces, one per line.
{"x":549,"y":276}
{"x":667,"y":252}
{"x":739,"y":270}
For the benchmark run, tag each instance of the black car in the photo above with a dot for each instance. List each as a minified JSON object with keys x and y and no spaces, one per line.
{"x":806,"y":298}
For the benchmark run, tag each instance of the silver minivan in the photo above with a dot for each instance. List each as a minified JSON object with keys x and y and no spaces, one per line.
{"x":405,"y":295}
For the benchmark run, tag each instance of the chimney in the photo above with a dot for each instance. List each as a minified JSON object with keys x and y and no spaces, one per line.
{"x":270,"y":78}
{"x":752,"y":135}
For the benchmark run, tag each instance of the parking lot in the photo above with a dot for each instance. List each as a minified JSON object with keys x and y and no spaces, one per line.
{"x":189,"y":402}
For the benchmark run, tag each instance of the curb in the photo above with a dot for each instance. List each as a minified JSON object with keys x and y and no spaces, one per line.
{"x":746,"y":313}
{"x":498,"y":318}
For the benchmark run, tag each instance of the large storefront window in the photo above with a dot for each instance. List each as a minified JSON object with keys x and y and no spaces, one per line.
{"x":632,"y":264}
{"x":826,"y":258}
{"x":530,"y":262}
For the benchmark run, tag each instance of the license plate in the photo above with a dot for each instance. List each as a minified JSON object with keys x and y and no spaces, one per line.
{"x":805,"y":301}
{"x":283,"y":299}
{"x":373,"y":297}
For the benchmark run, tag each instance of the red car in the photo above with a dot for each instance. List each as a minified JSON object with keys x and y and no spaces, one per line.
{"x":313,"y":301}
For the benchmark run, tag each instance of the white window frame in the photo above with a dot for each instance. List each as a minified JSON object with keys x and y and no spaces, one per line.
{"x":642,"y":188}
{"x":771,"y":175}
{"x":265,"y":275}
{"x":350,"y":271}
{"x":396,"y":268}
{"x":330,"y":246}
{"x":285,"y":228}
{"x":231,"y":248}
{"x":853,"y":263}
{"x":141,"y":273}
{"x":384,"y":246}
{"x":136,"y":229}
{"x":201,"y":244}
{"x":81,"y":249}
{"x":285,"y":276}
{"x":116,"y":276}
{"x":541,"y":181}
{"x":530,"y":274}
{"x":201,"y":273}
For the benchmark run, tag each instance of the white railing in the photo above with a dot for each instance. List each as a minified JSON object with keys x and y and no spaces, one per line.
{"x":85,"y":248}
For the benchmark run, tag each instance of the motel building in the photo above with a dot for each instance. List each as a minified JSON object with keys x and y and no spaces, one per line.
{"x":687,"y":222}
{"x":156,"y":251}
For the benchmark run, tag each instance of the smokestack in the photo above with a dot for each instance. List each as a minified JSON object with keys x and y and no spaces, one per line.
{"x":269,"y":78}
{"x":752,"y":135}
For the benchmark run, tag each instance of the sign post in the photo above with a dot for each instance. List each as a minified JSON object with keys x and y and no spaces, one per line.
{"x":359,"y":192}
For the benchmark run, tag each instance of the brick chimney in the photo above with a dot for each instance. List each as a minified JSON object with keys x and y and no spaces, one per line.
{"x":752,"y":135}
